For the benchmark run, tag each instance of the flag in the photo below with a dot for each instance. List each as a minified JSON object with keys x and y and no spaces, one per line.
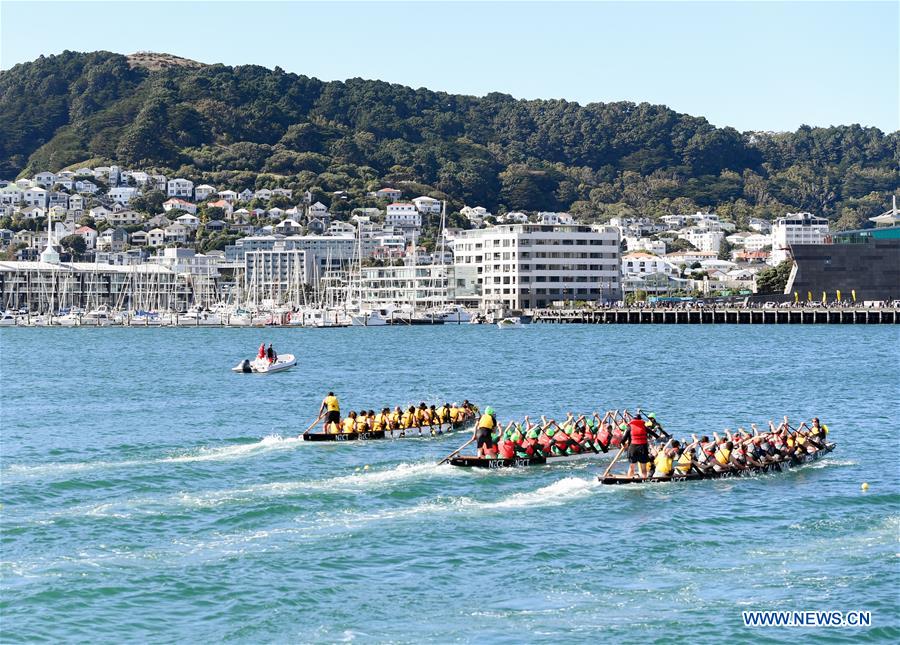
{"x":839,"y":295}
{"x":853,"y":293}
{"x":824,"y":298}
{"x":809,"y":296}
{"x":796,"y":297}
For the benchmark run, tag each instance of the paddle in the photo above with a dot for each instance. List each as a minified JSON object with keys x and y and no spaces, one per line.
{"x":455,"y":452}
{"x":311,"y":425}
{"x":612,"y":463}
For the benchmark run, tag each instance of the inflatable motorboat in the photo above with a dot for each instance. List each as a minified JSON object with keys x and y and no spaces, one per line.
{"x":263,"y":366}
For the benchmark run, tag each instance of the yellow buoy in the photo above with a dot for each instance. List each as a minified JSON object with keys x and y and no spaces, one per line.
{"x":865,"y":486}
{"x":366,"y":467}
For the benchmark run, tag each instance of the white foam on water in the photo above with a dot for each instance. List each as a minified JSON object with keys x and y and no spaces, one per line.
{"x":264,"y":445}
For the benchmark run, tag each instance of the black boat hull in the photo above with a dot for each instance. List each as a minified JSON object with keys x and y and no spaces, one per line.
{"x":386,"y":434}
{"x":517,"y":462}
{"x":778,"y":467}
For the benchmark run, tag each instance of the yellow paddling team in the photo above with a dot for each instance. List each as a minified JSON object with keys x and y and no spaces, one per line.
{"x":423,"y":417}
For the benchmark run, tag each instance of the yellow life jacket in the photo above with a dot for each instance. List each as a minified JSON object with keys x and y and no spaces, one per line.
{"x":723,"y":455}
{"x":444,"y":414}
{"x":380,"y":422}
{"x":663,"y":463}
{"x":425,"y":417}
{"x":331,"y":404}
{"x":454,"y":414}
{"x":349,"y":425}
{"x":333,"y":428}
{"x":486,"y":422}
{"x":362,"y":424}
{"x":408,"y":420}
{"x":684,"y":462}
{"x":395,"y":417}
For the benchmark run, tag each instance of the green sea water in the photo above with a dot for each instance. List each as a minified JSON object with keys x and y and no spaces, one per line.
{"x":150,"y":495}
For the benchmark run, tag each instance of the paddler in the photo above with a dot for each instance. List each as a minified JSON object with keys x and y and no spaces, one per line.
{"x":409,"y":419}
{"x":506,"y":447}
{"x":655,"y":429}
{"x":331,"y":409}
{"x":362,"y":421}
{"x":638,"y":449}
{"x":349,"y":424}
{"x":483,"y":432}
{"x":394,"y":419}
{"x":381,"y":420}
{"x":664,"y":457}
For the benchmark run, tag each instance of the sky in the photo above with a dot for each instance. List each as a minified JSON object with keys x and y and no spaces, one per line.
{"x":749,"y":65}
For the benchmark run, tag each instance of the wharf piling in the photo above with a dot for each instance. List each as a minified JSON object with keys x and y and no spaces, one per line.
{"x":711,"y":316}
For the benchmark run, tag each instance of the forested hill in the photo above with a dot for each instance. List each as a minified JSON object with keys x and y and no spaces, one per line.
{"x":229,"y":124}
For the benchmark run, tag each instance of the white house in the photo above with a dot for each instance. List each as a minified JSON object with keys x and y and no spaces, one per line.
{"x":123,"y":194}
{"x":284,"y":192}
{"x":35,"y":197}
{"x":86,"y":187}
{"x":112,"y":240}
{"x":45,"y":179}
{"x":263,"y":193}
{"x":191,"y":221}
{"x":203,"y":191}
{"x":475,"y":214}
{"x":224,"y":204}
{"x":245,"y":195}
{"x":318,"y":210}
{"x":177,"y":233}
{"x":11,"y":194}
{"x":179,"y":204}
{"x":703,"y":240}
{"x":183,"y":188}
{"x":156,"y":237}
{"x":513,"y":218}
{"x":341,"y":228}
{"x":757,"y":242}
{"x":426,"y":205}
{"x":289,"y":227}
{"x":99,"y":213}
{"x":228,"y":195}
{"x":76,"y":203}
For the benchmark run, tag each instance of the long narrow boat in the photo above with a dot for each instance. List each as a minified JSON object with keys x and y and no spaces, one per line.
{"x":725,"y":474}
{"x":469,"y":461}
{"x":389,"y":434}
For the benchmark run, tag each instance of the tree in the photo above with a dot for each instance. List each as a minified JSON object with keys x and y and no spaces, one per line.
{"x":725,"y":249}
{"x":774,"y":279}
{"x":74,"y":244}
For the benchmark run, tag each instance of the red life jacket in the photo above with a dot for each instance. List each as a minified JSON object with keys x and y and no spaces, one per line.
{"x":529,"y":446}
{"x":561,"y":439}
{"x":589,"y":435}
{"x":507,"y":450}
{"x":616,"y":437}
{"x":638,"y":432}
{"x":544,"y":439}
{"x":603,"y":436}
{"x":490,"y":452}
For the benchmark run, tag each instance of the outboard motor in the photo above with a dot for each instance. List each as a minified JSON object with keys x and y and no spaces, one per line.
{"x":245,"y":366}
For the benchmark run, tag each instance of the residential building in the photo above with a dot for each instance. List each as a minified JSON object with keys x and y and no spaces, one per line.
{"x":760,"y":225}
{"x":278,"y":273}
{"x":139,"y":238}
{"x":289,"y":227}
{"x":124,"y":218}
{"x":403,"y":216}
{"x":657,"y":247}
{"x":284,"y":192}
{"x":554,"y":219}
{"x":687,"y":258}
{"x":389,"y":194}
{"x":521,"y":266}
{"x":263,"y":193}
{"x":640,"y":263}
{"x":182,"y":188}
{"x":794,"y":229}
{"x":156,"y":237}
{"x":44,"y":179}
{"x":112,"y":239}
{"x":86,"y":187}
{"x":99,"y":213}
{"x":179,"y":204}
{"x":475,"y":214}
{"x":177,"y":233}
{"x":703,"y":239}
{"x":428,"y":205}
{"x":35,"y":197}
{"x":224,"y":204}
{"x":318,"y":210}
{"x":123,"y":194}
{"x":203,"y":191}
{"x":187,"y":262}
{"x":89,"y":235}
{"x":326,"y":252}
{"x":188,"y":220}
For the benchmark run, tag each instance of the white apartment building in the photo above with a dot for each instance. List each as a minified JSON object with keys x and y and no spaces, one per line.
{"x":187,"y":261}
{"x":403,"y":216}
{"x":796,"y":228}
{"x":325,"y":252}
{"x":521,"y":266}
{"x":35,"y":197}
{"x":422,"y":285}
{"x":182,"y":188}
{"x":123,"y":194}
{"x":702,"y":239}
{"x":645,"y":244}
{"x":179,"y":205}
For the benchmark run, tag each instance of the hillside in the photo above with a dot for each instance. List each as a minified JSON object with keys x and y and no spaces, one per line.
{"x":229,"y":124}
